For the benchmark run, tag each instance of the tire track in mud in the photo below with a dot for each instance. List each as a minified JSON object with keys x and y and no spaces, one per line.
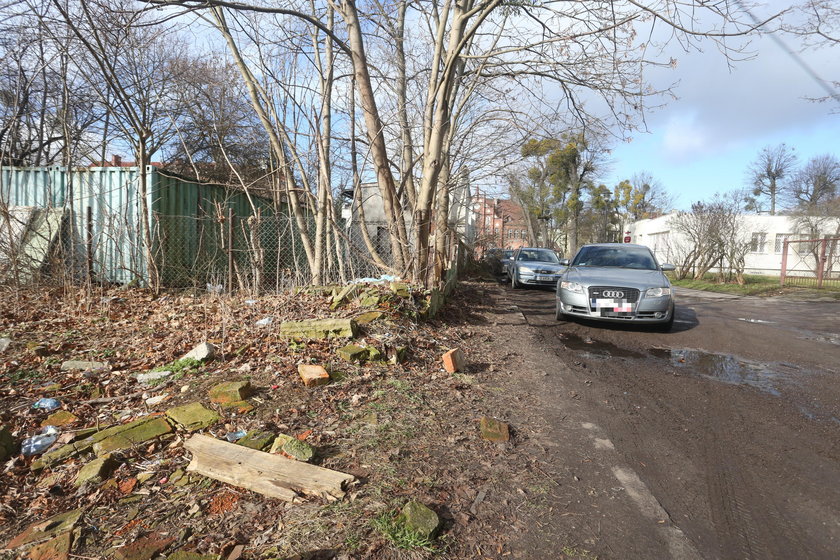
{"x":746,"y":519}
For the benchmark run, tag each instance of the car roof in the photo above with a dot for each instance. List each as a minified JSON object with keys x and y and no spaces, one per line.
{"x":635,"y":245}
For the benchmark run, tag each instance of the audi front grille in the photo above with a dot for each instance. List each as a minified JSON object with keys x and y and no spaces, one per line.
{"x":630,"y":295}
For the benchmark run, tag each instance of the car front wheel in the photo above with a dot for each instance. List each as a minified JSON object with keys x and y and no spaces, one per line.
{"x":513,"y":283}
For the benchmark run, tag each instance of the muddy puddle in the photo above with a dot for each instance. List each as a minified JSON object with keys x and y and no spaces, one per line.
{"x":596,"y":348}
{"x":727,"y":368}
{"x":765,"y":376}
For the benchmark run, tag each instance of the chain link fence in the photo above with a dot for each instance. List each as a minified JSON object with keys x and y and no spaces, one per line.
{"x":255,"y":253}
{"x":223,"y":252}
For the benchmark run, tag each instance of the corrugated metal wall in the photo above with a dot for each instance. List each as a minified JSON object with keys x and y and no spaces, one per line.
{"x":184,"y":215}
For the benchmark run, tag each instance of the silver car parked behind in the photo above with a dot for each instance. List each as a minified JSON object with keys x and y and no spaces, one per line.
{"x":533,"y":266}
{"x":616,"y":282}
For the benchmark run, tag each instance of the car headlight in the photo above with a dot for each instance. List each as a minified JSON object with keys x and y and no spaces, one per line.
{"x":526,"y":270}
{"x":658,"y":292}
{"x":572,"y":287}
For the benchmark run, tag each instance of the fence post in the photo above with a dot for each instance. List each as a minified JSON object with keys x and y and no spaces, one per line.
{"x":89,"y":244}
{"x":784,"y":262}
{"x":821,"y":262}
{"x":230,"y":249}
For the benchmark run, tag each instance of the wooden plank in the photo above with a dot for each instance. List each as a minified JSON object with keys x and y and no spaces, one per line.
{"x":268,"y":474}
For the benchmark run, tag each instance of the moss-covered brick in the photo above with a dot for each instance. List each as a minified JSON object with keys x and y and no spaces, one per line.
{"x":47,"y":528}
{"x":129,"y":437}
{"x":368,"y":317}
{"x":95,"y":471}
{"x":60,"y":418}
{"x":346,"y":294}
{"x":373,"y":354}
{"x":7,"y":443}
{"x":299,"y":450}
{"x":319,"y":328}
{"x":193,"y":416}
{"x":371,"y":300}
{"x":493,"y":430}
{"x":257,"y":439}
{"x":231,"y":392}
{"x":419,"y":519}
{"x":279,"y":442}
{"x":400,"y":289}
{"x":352,"y":353}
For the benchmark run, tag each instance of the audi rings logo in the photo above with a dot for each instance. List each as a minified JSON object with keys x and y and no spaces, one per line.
{"x":616,"y":294}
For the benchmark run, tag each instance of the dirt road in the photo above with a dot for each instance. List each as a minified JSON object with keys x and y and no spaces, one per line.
{"x":720,"y":439}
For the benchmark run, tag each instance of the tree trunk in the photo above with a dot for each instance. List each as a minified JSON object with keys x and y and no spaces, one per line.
{"x":376,"y":138}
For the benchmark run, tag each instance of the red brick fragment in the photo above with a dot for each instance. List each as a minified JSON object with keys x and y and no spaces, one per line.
{"x":454,"y":360}
{"x":313,"y":375}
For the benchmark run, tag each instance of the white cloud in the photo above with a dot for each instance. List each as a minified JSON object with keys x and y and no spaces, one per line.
{"x":684,"y":137}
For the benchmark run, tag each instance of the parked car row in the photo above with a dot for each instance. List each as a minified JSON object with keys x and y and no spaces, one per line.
{"x":617,"y":282}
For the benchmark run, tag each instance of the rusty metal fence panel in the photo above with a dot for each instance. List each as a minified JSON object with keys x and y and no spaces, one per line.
{"x":811,"y":262}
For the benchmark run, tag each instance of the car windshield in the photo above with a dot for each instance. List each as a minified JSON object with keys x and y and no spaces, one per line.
{"x":621,"y":257}
{"x":507,"y":254}
{"x":538,"y":255}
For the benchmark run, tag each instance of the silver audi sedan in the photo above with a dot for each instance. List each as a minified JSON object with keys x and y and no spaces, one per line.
{"x":616,"y":282}
{"x":533,"y":266}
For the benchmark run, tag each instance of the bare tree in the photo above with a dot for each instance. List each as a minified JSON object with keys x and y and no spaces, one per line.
{"x":46,"y":110}
{"x":817,"y":182}
{"x":710,"y":235}
{"x":770,"y":172}
{"x":134,"y":63}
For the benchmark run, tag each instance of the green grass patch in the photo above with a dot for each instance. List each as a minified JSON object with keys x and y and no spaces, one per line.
{"x":757,"y":285}
{"x":24,"y":374}
{"x":179,"y":366}
{"x":401,"y":536}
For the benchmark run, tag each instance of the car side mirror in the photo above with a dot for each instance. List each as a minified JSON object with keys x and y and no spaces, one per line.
{"x":668,"y":267}
{"x":565,"y":262}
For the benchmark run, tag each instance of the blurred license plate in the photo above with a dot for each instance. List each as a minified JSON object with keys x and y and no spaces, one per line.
{"x":544,"y":278}
{"x":612,"y":305}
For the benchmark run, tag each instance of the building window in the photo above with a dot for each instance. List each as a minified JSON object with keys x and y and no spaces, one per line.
{"x":780,"y":241}
{"x":758,"y":241}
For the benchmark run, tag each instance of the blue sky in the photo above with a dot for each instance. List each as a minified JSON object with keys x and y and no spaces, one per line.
{"x":702,"y":142}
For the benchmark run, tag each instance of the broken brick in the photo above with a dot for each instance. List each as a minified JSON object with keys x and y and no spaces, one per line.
{"x":313,"y":375}
{"x":230,"y":392}
{"x":193,"y":416}
{"x":494,"y":430}
{"x":454,"y":361}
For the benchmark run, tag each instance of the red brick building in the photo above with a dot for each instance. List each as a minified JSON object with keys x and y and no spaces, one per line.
{"x":499,"y":223}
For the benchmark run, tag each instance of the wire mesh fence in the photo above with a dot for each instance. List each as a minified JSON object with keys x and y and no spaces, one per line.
{"x":223,"y":251}
{"x":811,"y":262}
{"x":257,"y":253}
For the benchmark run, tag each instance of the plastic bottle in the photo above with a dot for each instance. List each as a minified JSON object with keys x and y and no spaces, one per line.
{"x":37,"y":444}
{"x":47,"y":404}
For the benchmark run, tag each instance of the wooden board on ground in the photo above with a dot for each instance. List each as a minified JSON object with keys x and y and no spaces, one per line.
{"x":271,"y":475}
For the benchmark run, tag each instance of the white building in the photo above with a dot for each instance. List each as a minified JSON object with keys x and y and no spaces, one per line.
{"x":766,"y":235}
